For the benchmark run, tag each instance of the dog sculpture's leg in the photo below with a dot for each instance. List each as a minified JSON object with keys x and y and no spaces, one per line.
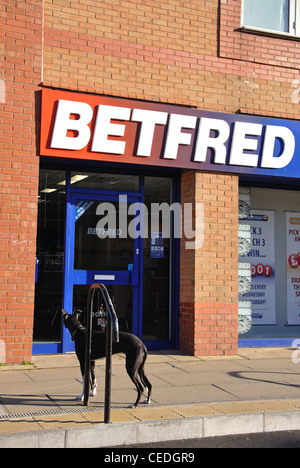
{"x":93,"y":380}
{"x":80,"y":397}
{"x":145,"y":381}
{"x":147,"y":385}
{"x":139,"y":388}
{"x":133,"y":363}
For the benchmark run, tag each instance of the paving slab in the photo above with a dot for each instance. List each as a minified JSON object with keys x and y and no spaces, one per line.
{"x":62,"y":421}
{"x":20,"y":404}
{"x":265,"y":353}
{"x":51,"y":361}
{"x":193,"y":410}
{"x":22,"y":425}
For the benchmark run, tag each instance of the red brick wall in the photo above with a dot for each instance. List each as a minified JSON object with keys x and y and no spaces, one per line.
{"x":186,"y":53}
{"x":267,"y":66}
{"x":177,"y":52}
{"x":209,"y":275}
{"x":20,"y":75}
{"x":238,"y":44}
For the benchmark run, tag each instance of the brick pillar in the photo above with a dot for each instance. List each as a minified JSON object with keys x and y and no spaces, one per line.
{"x":209,"y":275}
{"x":20,"y":76}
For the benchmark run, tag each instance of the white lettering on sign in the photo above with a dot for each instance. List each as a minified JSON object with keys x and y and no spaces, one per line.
{"x":175,"y":137}
{"x":242,"y":140}
{"x":251,"y":145}
{"x":288,"y":141}
{"x":104,"y":128}
{"x":63,"y":124}
{"x":148,"y":119}
{"x":205,"y":140}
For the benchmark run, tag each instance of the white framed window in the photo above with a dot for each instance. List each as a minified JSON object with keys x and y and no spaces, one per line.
{"x":276,"y":16}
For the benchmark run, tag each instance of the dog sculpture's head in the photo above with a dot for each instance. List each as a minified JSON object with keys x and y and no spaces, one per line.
{"x":71,"y":322}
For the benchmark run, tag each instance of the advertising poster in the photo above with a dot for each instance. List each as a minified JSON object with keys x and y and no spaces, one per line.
{"x":262,"y":260}
{"x":293,"y":267}
{"x":157,"y":245}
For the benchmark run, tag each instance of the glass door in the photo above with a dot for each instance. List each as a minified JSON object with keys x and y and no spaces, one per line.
{"x":102,"y":247}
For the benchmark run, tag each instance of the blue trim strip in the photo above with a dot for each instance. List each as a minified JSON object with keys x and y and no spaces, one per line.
{"x":98,"y":195}
{"x":266,"y":343}
{"x":46,"y":348}
{"x":120,"y":277}
{"x":176,"y":271}
{"x":141,"y":263}
{"x":67,"y":344}
{"x":88,"y":193}
{"x":158,"y":345}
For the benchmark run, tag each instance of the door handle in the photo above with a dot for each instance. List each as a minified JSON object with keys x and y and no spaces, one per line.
{"x":105,"y":277}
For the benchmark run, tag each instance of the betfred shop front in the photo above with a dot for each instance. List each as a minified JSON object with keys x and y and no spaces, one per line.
{"x":144,"y":198}
{"x":88,"y":232}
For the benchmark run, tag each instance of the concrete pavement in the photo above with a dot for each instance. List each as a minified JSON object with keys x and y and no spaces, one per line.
{"x":258,"y":390}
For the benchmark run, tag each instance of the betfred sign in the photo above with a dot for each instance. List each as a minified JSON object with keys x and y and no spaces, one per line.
{"x":101,"y":128}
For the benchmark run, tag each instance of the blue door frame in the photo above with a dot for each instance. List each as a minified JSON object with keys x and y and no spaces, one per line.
{"x":132,"y":277}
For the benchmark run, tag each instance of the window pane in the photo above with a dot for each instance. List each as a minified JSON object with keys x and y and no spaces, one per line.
{"x":156,"y":306}
{"x":95,"y":253}
{"x":267,"y":14}
{"x":50,"y":257}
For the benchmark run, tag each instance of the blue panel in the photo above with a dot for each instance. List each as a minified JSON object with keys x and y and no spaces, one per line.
{"x":266,"y":343}
{"x":67,"y":344}
{"x":46,"y":348}
{"x":158,"y":345}
{"x":105,"y":277}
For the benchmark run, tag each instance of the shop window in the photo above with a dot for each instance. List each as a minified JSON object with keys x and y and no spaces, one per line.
{"x":157,"y":300}
{"x":157,"y":264}
{"x":271,"y":249}
{"x":50,"y":255}
{"x":279,"y":16}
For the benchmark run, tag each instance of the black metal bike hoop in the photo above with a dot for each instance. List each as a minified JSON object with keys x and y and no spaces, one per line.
{"x":112,"y":335}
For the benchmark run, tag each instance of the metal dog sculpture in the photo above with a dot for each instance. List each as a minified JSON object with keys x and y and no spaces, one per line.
{"x":133,"y":348}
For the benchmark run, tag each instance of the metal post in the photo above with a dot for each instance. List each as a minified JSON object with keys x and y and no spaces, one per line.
{"x":108,"y":370}
{"x":88,"y":347}
{"x":112,"y":334}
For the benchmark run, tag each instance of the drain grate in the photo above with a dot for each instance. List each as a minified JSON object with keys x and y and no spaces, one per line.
{"x":79,"y":410}
{"x":83,"y":409}
{"x":50,"y":412}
